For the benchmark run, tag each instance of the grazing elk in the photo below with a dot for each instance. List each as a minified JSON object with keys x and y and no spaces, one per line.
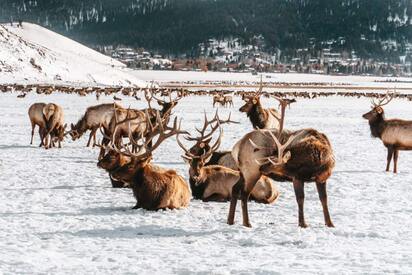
{"x":153,"y":187}
{"x":296,"y":156}
{"x":94,"y":118}
{"x":37,"y":118}
{"x":396,"y":134}
{"x":215,"y":182}
{"x":54,"y":124}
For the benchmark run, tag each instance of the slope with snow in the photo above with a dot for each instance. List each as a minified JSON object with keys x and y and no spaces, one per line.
{"x":34,"y":55}
{"x":58,"y":213}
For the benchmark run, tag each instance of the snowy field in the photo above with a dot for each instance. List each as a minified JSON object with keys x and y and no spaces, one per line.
{"x":193,"y":78}
{"x":58,"y":213}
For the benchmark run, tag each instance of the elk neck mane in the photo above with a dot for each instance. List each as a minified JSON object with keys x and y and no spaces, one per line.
{"x":257,"y":116}
{"x":377,"y":126}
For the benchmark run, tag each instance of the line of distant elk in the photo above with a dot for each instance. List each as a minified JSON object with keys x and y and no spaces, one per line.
{"x":219,"y":95}
{"x":266,"y":154}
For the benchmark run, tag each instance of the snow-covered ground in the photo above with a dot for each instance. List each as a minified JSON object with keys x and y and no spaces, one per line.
{"x":36,"y":55}
{"x":58,"y":213}
{"x":169,"y":77}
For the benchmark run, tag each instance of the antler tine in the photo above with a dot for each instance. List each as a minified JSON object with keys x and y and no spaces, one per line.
{"x":259,"y":92}
{"x":215,"y":146}
{"x":187,"y":152}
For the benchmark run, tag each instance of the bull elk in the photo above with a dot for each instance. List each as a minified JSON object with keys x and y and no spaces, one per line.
{"x":153,"y":187}
{"x":260,"y":117}
{"x":296,"y":156}
{"x":215,"y":182}
{"x":395,"y":133}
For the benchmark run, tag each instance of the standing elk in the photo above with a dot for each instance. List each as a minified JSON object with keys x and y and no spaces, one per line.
{"x":54,"y":124}
{"x":218,"y":98}
{"x":37,"y":118}
{"x":296,"y":156}
{"x":211,"y":182}
{"x":153,"y":187}
{"x":228,"y":100}
{"x":396,"y":134}
{"x":260,"y":117}
{"x":94,"y":118}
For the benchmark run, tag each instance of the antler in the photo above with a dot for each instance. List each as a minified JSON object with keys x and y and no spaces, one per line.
{"x":283,"y":102}
{"x":281,"y":148}
{"x":208,"y":123}
{"x":384,"y":101}
{"x":163,"y":131}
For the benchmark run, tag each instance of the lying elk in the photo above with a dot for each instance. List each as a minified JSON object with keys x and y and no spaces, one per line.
{"x":94,"y":118}
{"x":215,"y":182}
{"x":153,"y":187}
{"x":394,"y":133}
{"x":260,"y":117}
{"x":296,"y":156}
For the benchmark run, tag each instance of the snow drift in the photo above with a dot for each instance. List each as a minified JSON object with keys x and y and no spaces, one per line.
{"x":36,"y":55}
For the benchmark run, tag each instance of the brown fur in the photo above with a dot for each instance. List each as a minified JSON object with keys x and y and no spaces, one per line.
{"x":111,"y":162}
{"x":154,"y":188}
{"x":311,"y":160}
{"x":396,"y":134}
{"x":259,"y":117}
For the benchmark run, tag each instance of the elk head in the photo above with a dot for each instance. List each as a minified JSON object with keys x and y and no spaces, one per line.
{"x":201,"y":152}
{"x":377,"y":111}
{"x":60,"y":133}
{"x":74,"y":133}
{"x":250,"y":103}
{"x":274,"y":163}
{"x":143,"y":157}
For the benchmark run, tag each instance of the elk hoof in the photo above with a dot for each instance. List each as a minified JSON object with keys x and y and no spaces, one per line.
{"x":247,"y":225}
{"x":230,"y":222}
{"x":303,"y":225}
{"x":330,"y":224}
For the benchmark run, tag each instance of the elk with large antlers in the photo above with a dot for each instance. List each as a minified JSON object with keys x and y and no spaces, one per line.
{"x":296,"y":156}
{"x":260,"y":117}
{"x":153,"y":187}
{"x":396,"y":134}
{"x":211,"y":182}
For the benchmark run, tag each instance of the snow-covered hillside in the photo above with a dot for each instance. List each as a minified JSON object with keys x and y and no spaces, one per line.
{"x":33,"y":54}
{"x":59,"y":214}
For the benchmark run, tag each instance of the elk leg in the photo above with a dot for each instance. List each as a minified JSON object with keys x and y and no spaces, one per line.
{"x":90,"y":139}
{"x":395,"y":160}
{"x":236,"y":189}
{"x":323,"y":196}
{"x":389,"y":158}
{"x":299,"y":187}
{"x":32,"y":132}
{"x":244,"y":198}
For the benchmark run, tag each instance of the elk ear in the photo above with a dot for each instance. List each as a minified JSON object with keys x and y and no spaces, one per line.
{"x":286,"y":157}
{"x":379,"y":110}
{"x":72,"y":126}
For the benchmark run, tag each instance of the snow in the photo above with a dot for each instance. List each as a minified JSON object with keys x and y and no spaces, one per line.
{"x":60,"y":60}
{"x":356,"y":82}
{"x":58,"y":213}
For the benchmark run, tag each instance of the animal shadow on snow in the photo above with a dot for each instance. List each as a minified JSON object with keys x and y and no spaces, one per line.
{"x":144,"y":231}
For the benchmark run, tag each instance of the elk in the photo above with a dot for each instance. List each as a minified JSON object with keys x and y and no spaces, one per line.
{"x":259,"y":117}
{"x":215,"y":182}
{"x":112,"y":161}
{"x":153,"y":187}
{"x":94,"y":118}
{"x":37,"y":118}
{"x":228,"y":100}
{"x":218,"y":98}
{"x":54,"y":123}
{"x":295,"y":156}
{"x":395,"y":133}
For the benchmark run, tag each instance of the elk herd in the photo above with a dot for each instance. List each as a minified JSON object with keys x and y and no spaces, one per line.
{"x":267,"y":154}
